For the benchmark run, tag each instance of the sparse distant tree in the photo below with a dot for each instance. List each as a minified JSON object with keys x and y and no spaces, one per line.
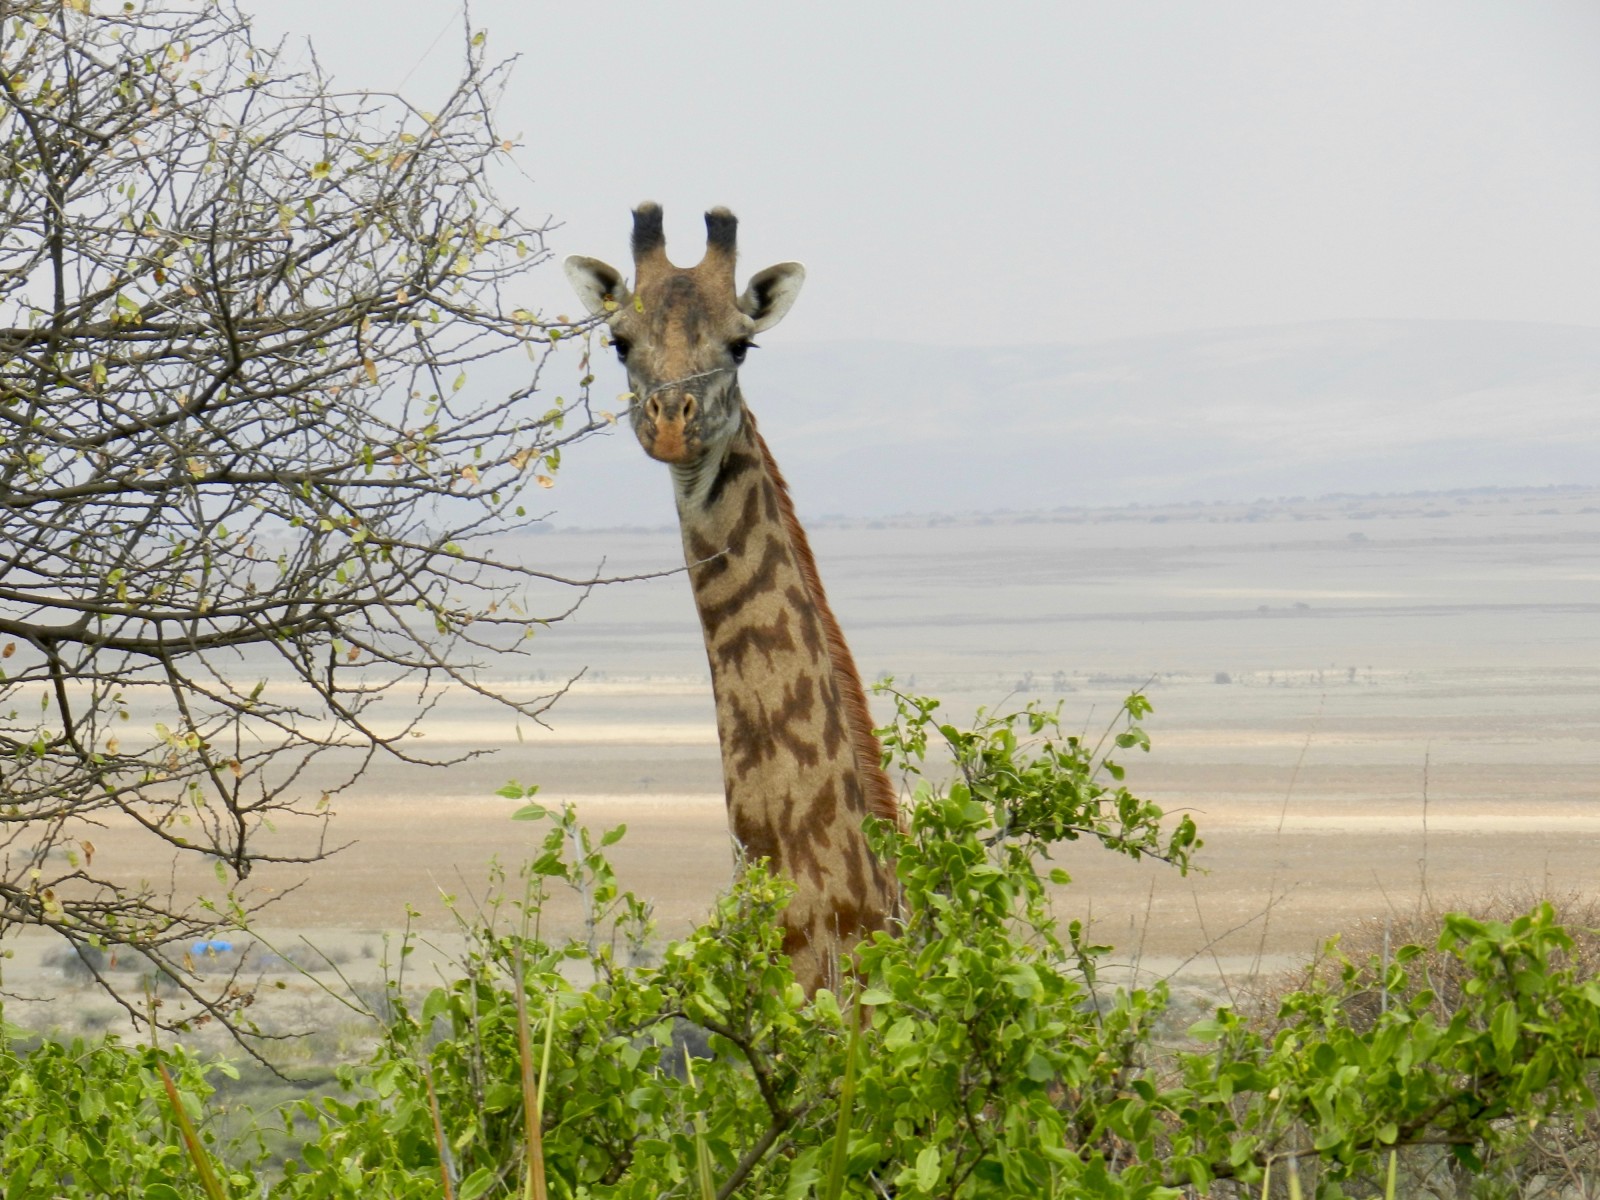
{"x":246,"y":492}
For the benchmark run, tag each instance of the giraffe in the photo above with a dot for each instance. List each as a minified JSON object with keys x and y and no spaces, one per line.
{"x":801,"y":767}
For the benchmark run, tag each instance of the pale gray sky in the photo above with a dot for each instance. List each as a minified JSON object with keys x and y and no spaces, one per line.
{"x":1047,"y":172}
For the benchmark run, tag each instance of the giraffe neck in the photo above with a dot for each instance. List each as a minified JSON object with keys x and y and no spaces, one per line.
{"x":799,"y":762}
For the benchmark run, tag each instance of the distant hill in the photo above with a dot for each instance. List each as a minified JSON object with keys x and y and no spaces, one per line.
{"x":872,"y":429}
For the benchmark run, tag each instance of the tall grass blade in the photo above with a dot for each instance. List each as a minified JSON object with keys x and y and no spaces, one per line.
{"x":533,"y":1187}
{"x":191,"y":1139}
{"x":544,"y":1061}
{"x":834,"y":1186}
{"x":438,"y":1133}
{"x":702,"y":1148}
{"x":1389,"y":1183}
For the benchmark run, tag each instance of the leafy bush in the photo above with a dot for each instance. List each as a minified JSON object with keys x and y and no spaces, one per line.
{"x":977,"y":1053}
{"x":84,"y":1119}
{"x":1558,"y":1151}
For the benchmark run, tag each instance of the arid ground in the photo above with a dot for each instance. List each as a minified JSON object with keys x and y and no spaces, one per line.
{"x":1364,"y":702}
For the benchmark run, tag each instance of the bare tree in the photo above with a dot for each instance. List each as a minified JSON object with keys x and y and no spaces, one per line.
{"x":247,"y":493}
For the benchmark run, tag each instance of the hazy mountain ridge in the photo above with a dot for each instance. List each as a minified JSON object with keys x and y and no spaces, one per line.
{"x":870,"y":429}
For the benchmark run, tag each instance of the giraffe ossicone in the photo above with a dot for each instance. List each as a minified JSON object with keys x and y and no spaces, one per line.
{"x":800,"y":765}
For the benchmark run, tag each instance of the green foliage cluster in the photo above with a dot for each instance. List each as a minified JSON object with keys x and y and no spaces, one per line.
{"x":93,"y":1119}
{"x":1521,"y":1047}
{"x":978,"y":1052}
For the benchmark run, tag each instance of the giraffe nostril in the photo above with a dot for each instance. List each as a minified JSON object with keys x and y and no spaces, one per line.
{"x":652,"y":409}
{"x":688,"y":407}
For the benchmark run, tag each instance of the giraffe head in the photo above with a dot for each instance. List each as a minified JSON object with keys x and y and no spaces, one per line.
{"x":682,"y":332}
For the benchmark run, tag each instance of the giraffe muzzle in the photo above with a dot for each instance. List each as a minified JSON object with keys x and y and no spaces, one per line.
{"x":670,"y":431}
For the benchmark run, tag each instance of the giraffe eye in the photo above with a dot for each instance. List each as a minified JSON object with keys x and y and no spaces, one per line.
{"x":622,"y":346}
{"x":737,"y":350}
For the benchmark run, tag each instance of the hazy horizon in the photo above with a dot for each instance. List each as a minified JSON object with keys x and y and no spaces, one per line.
{"x":868,"y":429}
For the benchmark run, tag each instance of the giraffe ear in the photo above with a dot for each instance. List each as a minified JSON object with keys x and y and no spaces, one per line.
{"x":770,"y":293}
{"x":596,"y":283}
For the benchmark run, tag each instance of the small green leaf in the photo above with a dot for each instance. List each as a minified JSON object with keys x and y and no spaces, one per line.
{"x":435,"y":1006}
{"x":928,"y":1168}
{"x":1503,"y":1028}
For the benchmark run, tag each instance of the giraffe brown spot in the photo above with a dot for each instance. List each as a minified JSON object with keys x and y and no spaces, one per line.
{"x":808,"y":832}
{"x":824,"y":810}
{"x":757,"y":838}
{"x":743,"y":744}
{"x":797,"y":705}
{"x":855,"y":796}
{"x":833,"y":730}
{"x":756,"y":735}
{"x":746,"y":527}
{"x":708,"y":562}
{"x":810,"y":630}
{"x":769,"y":496}
{"x":734,"y":466}
{"x":768,"y":639}
{"x":711,"y":560}
{"x":774,"y":555}
{"x":856,"y":861}
{"x":804,"y":861}
{"x":795,"y":940}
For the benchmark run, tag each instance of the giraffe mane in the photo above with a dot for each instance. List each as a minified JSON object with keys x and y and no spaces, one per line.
{"x":880,"y":795}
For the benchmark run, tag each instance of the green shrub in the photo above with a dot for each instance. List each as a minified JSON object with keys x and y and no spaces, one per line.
{"x":976,"y":1054}
{"x":93,"y":1119}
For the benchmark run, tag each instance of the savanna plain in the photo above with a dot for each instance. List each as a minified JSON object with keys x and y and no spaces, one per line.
{"x":1369,"y":705}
